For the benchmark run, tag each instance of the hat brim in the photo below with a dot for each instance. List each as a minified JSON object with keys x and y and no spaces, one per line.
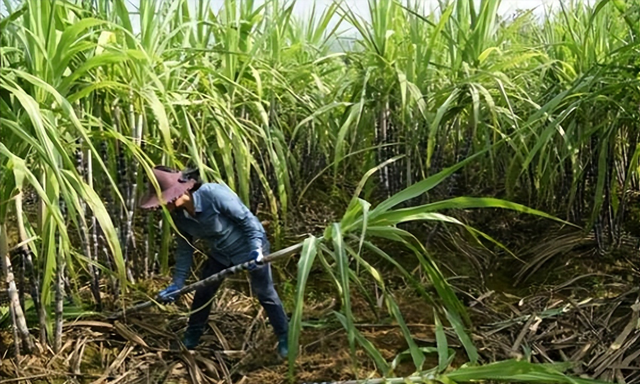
{"x":151,"y":199}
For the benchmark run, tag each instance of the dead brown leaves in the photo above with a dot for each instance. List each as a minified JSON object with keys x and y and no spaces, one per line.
{"x":145,"y":348}
{"x":600,"y":337}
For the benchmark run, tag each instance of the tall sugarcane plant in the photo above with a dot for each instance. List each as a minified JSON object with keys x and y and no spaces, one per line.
{"x":348,"y":251}
{"x":277,"y":106}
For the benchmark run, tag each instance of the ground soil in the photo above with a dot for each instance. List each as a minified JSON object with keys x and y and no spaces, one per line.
{"x":580,"y":302}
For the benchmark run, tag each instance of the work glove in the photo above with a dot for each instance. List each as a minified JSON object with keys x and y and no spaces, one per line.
{"x":256,"y":255}
{"x":170,"y":294}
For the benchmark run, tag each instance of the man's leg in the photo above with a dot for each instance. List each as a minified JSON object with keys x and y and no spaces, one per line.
{"x":201,"y":305}
{"x":262,"y":284}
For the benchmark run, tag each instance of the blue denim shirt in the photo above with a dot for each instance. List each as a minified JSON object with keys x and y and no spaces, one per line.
{"x":221,"y":219}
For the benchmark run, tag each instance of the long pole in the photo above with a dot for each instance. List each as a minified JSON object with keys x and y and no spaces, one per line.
{"x":213,"y":278}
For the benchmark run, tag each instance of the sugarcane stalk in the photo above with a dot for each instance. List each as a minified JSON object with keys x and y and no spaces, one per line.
{"x":35,"y":278}
{"x":93,"y":270}
{"x":626,"y":180}
{"x":382,"y":138}
{"x":41,"y":207}
{"x":607,"y":206}
{"x":390,"y":152}
{"x":59,"y":288}
{"x":84,"y":231}
{"x":131,"y":191}
{"x":148,"y":221}
{"x":21,"y":285}
{"x":126,"y":229}
{"x":15,"y":334}
{"x":80,"y":164}
{"x":17,"y":315}
{"x":102,"y":244}
{"x":146,"y":251}
{"x":122,"y":176}
{"x":409,"y":165}
{"x":93,"y":254}
{"x":104,"y":154}
{"x":213,"y":278}
{"x":592,"y":174}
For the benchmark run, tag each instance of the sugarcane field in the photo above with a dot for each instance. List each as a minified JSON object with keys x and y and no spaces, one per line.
{"x":319,"y":191}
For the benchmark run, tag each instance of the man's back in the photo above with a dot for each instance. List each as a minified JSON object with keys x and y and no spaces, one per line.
{"x":224,"y":222}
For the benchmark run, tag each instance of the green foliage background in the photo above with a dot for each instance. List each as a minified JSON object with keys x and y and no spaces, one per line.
{"x":545,"y":112}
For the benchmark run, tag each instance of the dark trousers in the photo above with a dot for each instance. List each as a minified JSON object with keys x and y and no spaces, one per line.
{"x":261,"y":283}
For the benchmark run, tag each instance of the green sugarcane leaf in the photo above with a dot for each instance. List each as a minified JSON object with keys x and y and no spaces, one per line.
{"x":307,"y":257}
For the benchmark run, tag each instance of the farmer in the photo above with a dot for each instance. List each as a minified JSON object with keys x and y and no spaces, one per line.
{"x":213,"y":212}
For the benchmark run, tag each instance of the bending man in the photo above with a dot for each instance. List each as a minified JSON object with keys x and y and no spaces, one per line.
{"x":214,"y":213}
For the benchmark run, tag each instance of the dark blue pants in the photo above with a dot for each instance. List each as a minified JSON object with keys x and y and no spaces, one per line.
{"x":262,"y":285}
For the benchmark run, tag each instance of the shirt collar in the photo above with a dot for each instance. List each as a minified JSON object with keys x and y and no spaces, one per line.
{"x":197,"y":201}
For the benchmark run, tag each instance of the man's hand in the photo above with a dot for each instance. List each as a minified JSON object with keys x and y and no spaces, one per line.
{"x":169,"y":294}
{"x":256,"y":255}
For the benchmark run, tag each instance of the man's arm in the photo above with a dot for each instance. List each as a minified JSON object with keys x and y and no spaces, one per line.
{"x":184,"y":257}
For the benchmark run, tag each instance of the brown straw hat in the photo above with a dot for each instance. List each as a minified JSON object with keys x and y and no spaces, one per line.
{"x":173,"y":184}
